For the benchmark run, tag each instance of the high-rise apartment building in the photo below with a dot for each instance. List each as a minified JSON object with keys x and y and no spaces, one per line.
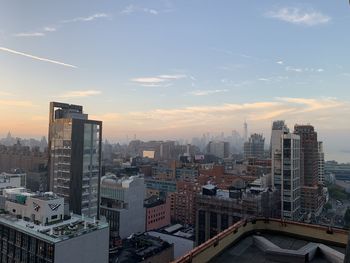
{"x":321,"y":179}
{"x":254,"y":147}
{"x":290,"y":177}
{"x":75,"y":157}
{"x":311,"y":193}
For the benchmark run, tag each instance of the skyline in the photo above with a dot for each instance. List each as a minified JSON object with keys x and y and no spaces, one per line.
{"x":178,"y":69}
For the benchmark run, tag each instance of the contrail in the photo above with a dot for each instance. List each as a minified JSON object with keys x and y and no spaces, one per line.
{"x":37,"y":58}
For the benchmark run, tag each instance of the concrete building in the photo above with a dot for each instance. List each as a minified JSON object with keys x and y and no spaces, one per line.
{"x":254,"y":147}
{"x":34,"y":228}
{"x":157,"y":212}
{"x":321,"y":179}
{"x":278,"y":129}
{"x":220,"y":149}
{"x":75,"y":157}
{"x":122,"y":203}
{"x":12,"y":180}
{"x":289,"y":186}
{"x":218,"y":209}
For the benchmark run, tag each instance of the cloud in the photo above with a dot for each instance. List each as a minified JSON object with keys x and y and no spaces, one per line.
{"x":49,"y":29}
{"x":30,"y":34}
{"x":322,"y":112}
{"x":87,"y":18}
{"x":80,"y":93}
{"x":299,"y":17}
{"x":130,"y":9}
{"x":157,"y":81}
{"x":36,"y":58}
{"x":279,"y":62}
{"x":16,"y":103}
{"x":207,"y":92}
{"x":300,"y":70}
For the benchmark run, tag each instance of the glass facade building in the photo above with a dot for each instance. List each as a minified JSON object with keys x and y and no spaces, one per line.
{"x":75,"y":157}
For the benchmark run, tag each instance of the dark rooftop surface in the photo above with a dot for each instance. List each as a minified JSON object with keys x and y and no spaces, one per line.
{"x":246,"y":251}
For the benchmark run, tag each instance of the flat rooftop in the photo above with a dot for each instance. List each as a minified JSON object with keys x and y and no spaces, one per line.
{"x":54,"y":233}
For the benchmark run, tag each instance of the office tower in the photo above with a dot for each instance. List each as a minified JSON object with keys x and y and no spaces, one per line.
{"x":321,"y":179}
{"x":311,"y":193}
{"x":220,"y":149}
{"x":278,"y":129}
{"x":75,"y":157}
{"x":254,"y":147}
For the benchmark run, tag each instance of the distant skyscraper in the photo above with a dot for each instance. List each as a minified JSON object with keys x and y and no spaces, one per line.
{"x":254,"y":147}
{"x":75,"y":157}
{"x":245,"y":131}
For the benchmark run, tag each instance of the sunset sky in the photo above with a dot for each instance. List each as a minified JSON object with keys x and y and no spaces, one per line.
{"x":172,"y":69}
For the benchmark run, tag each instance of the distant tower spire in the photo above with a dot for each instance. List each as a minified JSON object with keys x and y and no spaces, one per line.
{"x":245,"y":131}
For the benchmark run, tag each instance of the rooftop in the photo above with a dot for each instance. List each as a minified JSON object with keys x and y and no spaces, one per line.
{"x":62,"y":230}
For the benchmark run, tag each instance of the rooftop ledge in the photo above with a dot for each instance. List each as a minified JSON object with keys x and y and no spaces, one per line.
{"x":216,"y":245}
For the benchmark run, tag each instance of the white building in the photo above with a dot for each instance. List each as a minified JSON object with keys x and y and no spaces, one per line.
{"x":34,"y":229}
{"x":220,"y":149}
{"x":321,"y":177}
{"x":122,"y":202}
{"x":278,"y":129}
{"x":290,"y":177}
{"x":12,"y":180}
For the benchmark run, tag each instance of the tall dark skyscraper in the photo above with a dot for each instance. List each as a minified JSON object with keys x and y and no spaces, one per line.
{"x":311,"y":195}
{"x":75,"y":157}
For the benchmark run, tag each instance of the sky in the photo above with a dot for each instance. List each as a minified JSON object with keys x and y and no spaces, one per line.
{"x":171,"y":69}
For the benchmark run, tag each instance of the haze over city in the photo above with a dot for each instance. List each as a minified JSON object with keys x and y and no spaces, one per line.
{"x":178,"y":69}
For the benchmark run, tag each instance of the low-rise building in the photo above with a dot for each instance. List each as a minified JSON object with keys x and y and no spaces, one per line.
{"x":12,"y":180}
{"x":122,"y":203}
{"x":33,"y":228}
{"x":157,"y":212}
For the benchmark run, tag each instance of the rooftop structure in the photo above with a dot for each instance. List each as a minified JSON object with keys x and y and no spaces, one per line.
{"x":35,"y":222}
{"x":145,"y":248}
{"x":271,"y":240}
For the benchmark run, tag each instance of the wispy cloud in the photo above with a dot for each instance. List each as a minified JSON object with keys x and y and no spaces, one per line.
{"x":50,"y":29}
{"x":36,"y":58}
{"x":300,"y":70}
{"x":194,"y":118}
{"x":16,"y":103}
{"x":80,"y":93}
{"x":130,"y":9}
{"x":207,"y":92}
{"x":5,"y":93}
{"x":157,"y":81}
{"x":299,"y":17}
{"x":280,"y":62}
{"x":87,"y":18}
{"x":29,"y":34}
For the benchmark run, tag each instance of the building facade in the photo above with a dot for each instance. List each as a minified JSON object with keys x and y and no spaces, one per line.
{"x":122,"y":204}
{"x":75,"y":157}
{"x":157,"y":213}
{"x":254,"y":147}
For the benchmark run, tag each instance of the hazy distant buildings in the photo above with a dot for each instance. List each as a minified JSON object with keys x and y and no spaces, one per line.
{"x":254,"y":147}
{"x":12,"y":180}
{"x":220,"y":149}
{"x":75,"y":157}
